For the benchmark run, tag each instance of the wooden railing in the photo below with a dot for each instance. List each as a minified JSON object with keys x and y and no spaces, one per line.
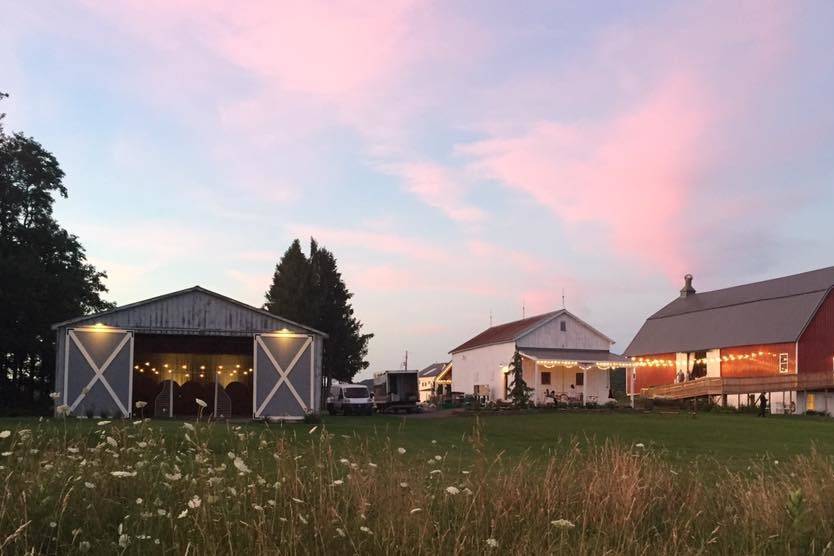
{"x":716,"y":386}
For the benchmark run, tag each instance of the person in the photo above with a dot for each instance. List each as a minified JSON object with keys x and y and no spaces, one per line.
{"x":762,"y":405}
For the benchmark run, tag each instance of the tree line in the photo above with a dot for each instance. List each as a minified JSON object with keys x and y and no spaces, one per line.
{"x":45,"y":278}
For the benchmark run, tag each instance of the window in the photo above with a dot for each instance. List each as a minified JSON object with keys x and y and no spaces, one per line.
{"x":783,"y":362}
{"x":546,"y":378}
{"x":580,"y":379}
{"x":563,"y":326}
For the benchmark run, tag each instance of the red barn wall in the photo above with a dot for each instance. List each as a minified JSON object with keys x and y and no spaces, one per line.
{"x":653,"y":376}
{"x":765,"y":364}
{"x":816,"y":345}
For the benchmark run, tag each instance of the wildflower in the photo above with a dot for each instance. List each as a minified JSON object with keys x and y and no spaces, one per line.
{"x":189,"y":426}
{"x":62,"y":410}
{"x":112,"y":442}
{"x":55,"y":395}
{"x":121,"y":474}
{"x":438,"y":458}
{"x":200,"y":402}
{"x":124,"y":540}
{"x":140,"y":404}
{"x":89,"y":485}
{"x":231,"y":455}
{"x":173,"y":476}
{"x":311,"y":431}
{"x":366,"y":530}
{"x":102,"y":423}
{"x":492,"y":543}
{"x":401,"y":450}
{"x":415,"y":511}
{"x":84,"y":546}
{"x":241,"y":466}
{"x":338,"y":482}
{"x":403,"y":485}
{"x":161,"y":512}
{"x":258,"y":508}
{"x":340,"y":531}
{"x":344,"y":461}
{"x":142,"y":444}
{"x":195,"y":502}
{"x":562,"y":524}
{"x":452,"y":490}
{"x":5,"y":434}
{"x":639,"y":445}
{"x":139,"y":501}
{"x":435,"y":471}
{"x":434,"y":441}
{"x":776,"y":462}
{"x":372,"y":465}
{"x":52,"y":525}
{"x":72,"y":450}
{"x":183,"y":514}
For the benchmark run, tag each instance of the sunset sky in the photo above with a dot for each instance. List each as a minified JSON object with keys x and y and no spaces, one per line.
{"x":458,"y":157}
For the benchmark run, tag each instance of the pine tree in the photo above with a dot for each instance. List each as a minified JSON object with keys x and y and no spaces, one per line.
{"x":310,"y":290}
{"x":289,"y":295}
{"x":519,"y":391}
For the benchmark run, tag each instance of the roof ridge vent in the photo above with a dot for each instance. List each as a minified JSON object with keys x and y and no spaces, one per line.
{"x":687,"y":289}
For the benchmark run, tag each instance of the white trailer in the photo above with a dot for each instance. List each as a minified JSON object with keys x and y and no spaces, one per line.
{"x":396,"y":391}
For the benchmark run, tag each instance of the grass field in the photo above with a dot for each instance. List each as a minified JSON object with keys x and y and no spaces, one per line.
{"x":547,"y":482}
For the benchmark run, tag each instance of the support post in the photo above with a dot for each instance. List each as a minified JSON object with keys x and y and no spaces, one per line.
{"x":215,"y":395}
{"x":171,"y":399}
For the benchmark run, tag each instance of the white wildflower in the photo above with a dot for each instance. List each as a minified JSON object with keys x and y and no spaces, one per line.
{"x":415,"y":511}
{"x":366,"y":530}
{"x":492,"y":543}
{"x":241,"y":465}
{"x":338,"y":482}
{"x":195,"y":502}
{"x":112,"y":442}
{"x":121,"y":474}
{"x":5,"y":434}
{"x":140,"y":404}
{"x":403,"y":485}
{"x":372,"y":465}
{"x":183,"y":514}
{"x":55,"y":395}
{"x":89,"y":485}
{"x":401,"y":450}
{"x":340,"y":531}
{"x":84,"y":546}
{"x":258,"y":508}
{"x":311,"y":431}
{"x":639,"y":445}
{"x":63,"y":410}
{"x":173,"y":476}
{"x":139,"y":501}
{"x":438,"y":458}
{"x":435,"y":471}
{"x":189,"y":426}
{"x":453,"y":490}
{"x":102,"y":423}
{"x":562,"y":524}
{"x":124,"y":540}
{"x":200,"y":402}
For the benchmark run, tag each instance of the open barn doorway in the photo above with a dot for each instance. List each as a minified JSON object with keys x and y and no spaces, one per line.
{"x":172,"y":371}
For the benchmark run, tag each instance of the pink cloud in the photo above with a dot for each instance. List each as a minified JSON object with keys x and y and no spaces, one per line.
{"x":630,"y":173}
{"x":436,"y":186}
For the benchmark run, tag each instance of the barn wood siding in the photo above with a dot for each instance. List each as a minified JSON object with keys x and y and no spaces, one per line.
{"x":190,"y":313}
{"x":655,"y":376}
{"x":760,"y":365}
{"x":576,"y":336}
{"x":816,"y":345}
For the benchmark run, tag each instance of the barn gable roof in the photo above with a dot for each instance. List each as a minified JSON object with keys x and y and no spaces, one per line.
{"x":512,"y":331}
{"x":264,"y":315}
{"x":767,"y":312}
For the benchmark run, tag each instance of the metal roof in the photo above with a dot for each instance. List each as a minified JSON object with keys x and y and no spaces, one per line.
{"x":196,"y":289}
{"x":512,"y":331}
{"x":579,"y":355}
{"x":768,"y":312}
{"x":432,"y":370}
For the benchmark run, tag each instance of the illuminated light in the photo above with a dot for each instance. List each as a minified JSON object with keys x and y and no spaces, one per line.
{"x":250,"y":370}
{"x":154,"y":369}
{"x":170,"y":371}
{"x":219,"y":372}
{"x":219,"y":366}
{"x":147,"y":364}
{"x":238,"y":366}
{"x":202,"y":368}
{"x":202,"y":375}
{"x":165,"y":365}
{"x":136,"y":367}
{"x":184,"y":367}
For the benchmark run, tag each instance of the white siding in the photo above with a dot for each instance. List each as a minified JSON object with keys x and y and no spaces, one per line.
{"x":576,"y":336}
{"x":481,"y":366}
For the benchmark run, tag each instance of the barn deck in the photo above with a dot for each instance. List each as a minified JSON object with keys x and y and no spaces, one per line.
{"x":717,"y":386}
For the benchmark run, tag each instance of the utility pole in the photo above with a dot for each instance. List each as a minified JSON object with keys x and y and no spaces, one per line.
{"x":563,"y":298}
{"x":523,"y":310}
{"x":405,"y":363}
{"x":490,"y":318}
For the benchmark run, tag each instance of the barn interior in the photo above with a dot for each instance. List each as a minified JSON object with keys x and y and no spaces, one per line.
{"x":172,"y":371}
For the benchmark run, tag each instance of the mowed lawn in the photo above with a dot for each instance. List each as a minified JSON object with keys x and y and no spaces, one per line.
{"x":728,"y":439}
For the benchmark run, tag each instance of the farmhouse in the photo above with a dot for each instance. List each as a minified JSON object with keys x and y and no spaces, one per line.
{"x":775,"y":336}
{"x":170,"y":350}
{"x":427,"y":381}
{"x":564,"y":358}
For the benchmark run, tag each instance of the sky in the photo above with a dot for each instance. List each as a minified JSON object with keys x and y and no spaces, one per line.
{"x":461,"y":158}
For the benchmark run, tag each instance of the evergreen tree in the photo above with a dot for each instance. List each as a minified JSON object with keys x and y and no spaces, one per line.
{"x":289,"y":295}
{"x":310,"y":290}
{"x":519,"y":391}
{"x":44,"y":276}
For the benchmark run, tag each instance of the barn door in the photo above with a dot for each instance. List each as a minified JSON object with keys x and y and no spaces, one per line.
{"x":98,"y":371}
{"x":283,"y":385}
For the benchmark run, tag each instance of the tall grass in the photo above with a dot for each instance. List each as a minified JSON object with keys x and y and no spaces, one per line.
{"x":210,"y":488}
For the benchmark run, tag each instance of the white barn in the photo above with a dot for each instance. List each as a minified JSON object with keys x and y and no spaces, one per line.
{"x":564,"y":358}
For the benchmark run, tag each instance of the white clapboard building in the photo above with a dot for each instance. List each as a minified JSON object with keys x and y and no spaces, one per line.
{"x":564,"y":359}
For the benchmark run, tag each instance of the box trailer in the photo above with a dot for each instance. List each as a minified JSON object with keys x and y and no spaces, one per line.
{"x":396,"y":391}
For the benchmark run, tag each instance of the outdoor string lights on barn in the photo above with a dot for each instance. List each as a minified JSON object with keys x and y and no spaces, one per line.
{"x":169,"y":351}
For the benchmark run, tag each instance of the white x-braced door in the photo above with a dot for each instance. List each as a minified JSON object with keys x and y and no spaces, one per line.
{"x":283,"y":384}
{"x":98,"y":371}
